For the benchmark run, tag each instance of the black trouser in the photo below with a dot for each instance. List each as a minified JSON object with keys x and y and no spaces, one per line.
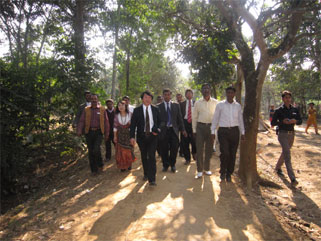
{"x":188,"y":140}
{"x":147,"y":146}
{"x":170,"y":143}
{"x":229,"y":141}
{"x":181,"y":148}
{"x":94,"y":139}
{"x":108,"y":145}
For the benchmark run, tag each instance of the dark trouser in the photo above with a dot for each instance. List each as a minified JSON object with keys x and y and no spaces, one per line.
{"x":147,"y":146}
{"x":108,"y":145}
{"x":203,"y":138}
{"x":94,"y":139}
{"x":188,"y":140}
{"x":286,"y":140}
{"x":181,"y":148}
{"x":170,"y":144}
{"x":229,"y":140}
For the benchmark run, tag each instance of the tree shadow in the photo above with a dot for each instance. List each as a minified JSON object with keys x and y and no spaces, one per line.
{"x":72,"y":190}
{"x":306,"y":208}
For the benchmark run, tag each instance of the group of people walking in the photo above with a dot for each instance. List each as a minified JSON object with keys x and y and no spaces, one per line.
{"x":160,"y":127}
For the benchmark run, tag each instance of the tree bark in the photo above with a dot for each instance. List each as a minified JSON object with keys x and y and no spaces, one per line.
{"x":79,"y":41}
{"x":239,"y":83}
{"x":113,"y":81}
{"x":128,"y":62}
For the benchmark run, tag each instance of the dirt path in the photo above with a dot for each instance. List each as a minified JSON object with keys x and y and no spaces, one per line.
{"x":121,"y":206}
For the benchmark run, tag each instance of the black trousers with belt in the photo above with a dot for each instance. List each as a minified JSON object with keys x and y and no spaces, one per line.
{"x":229,"y":141}
{"x":186,"y":141}
{"x":169,"y":149}
{"x":147,"y":146}
{"x":94,"y":139}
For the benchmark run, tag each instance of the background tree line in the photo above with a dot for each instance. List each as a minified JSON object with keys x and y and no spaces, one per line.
{"x":48,"y":63}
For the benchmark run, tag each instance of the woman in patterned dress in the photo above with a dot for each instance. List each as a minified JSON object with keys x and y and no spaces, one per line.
{"x":124,"y":150}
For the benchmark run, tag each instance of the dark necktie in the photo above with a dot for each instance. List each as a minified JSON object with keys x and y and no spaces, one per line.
{"x":169,"y":116}
{"x":189,"y":113}
{"x":147,"y":124}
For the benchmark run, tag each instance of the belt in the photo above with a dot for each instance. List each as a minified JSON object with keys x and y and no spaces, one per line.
{"x":229,"y":127}
{"x":285,"y":131}
{"x":201,"y":123}
{"x":94,"y":129}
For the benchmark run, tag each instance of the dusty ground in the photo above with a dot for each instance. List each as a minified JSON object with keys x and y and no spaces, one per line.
{"x":121,"y":206}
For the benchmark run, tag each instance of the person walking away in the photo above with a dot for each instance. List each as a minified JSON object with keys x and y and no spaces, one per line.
{"x":124,"y":149}
{"x":312,"y":118}
{"x":94,"y":123}
{"x":285,"y":117}
{"x":201,"y":122}
{"x":145,"y":122}
{"x":228,"y":116}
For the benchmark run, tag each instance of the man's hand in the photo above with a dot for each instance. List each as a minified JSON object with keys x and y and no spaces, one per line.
{"x":115,"y":139}
{"x":132,"y":142}
{"x":184,"y":133}
{"x":242,"y":137}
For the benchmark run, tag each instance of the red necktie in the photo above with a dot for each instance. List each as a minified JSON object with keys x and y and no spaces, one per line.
{"x":189,"y":113}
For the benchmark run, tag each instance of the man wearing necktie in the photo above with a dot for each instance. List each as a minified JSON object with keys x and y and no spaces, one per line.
{"x":187,"y":110}
{"x":145,"y":122}
{"x":171,"y":124}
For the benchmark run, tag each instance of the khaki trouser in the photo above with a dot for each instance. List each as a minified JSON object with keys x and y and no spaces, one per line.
{"x":286,"y":140}
{"x":203,"y":139}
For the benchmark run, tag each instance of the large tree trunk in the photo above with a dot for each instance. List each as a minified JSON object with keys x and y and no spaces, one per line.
{"x":253,"y":88}
{"x":79,"y":41}
{"x":128,"y":61}
{"x":113,"y":81}
{"x":239,"y":83}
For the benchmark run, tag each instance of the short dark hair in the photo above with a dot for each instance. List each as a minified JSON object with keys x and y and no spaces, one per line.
{"x":126,"y":97}
{"x":311,"y":103}
{"x":86,"y":92}
{"x":121,"y":102}
{"x":110,"y":100}
{"x":93,"y":94}
{"x":166,"y":90}
{"x":230,"y":88}
{"x":206,"y":84}
{"x":286,"y":92}
{"x":146,"y":92}
{"x":188,"y":90}
{"x":178,"y":94}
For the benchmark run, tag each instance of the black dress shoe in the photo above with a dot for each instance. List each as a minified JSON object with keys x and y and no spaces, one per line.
{"x":222,"y":176}
{"x":152,"y":184}
{"x":173,"y":169}
{"x":187,"y":162}
{"x":228,"y":178}
{"x":130,"y":167}
{"x":165,"y":169}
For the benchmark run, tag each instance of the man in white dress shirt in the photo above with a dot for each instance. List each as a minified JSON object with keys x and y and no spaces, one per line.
{"x":228,"y":116}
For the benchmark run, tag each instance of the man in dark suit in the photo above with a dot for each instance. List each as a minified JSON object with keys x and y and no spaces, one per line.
{"x":171,"y":124}
{"x":81,"y":108}
{"x":111,"y":115}
{"x":146,"y":121}
{"x":187,"y":110}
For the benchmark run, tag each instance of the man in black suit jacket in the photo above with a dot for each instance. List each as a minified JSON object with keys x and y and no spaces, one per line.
{"x":171,"y":124}
{"x":187,"y":110}
{"x":145,"y":121}
{"x":111,"y":115}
